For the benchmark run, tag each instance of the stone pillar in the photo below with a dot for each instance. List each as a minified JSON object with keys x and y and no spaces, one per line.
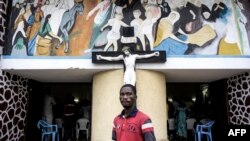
{"x":105,"y":103}
{"x":151,"y":91}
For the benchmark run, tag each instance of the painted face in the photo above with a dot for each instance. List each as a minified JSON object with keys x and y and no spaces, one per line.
{"x":137,"y":13}
{"x":159,"y":1}
{"x":127,"y":97}
{"x":126,"y":52}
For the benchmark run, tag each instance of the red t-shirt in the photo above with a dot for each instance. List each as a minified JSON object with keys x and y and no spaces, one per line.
{"x":136,"y":127}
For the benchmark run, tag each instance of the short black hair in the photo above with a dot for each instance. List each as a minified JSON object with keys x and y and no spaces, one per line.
{"x":131,"y":86}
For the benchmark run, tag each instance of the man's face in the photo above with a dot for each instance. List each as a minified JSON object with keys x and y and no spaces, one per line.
{"x":127,"y":97}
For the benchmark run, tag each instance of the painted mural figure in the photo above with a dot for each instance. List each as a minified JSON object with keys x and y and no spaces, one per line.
{"x":56,"y":12}
{"x":32,"y":31}
{"x":242,"y":22}
{"x":136,"y":23}
{"x":46,"y":38}
{"x":148,"y":23}
{"x":165,"y":8}
{"x":19,"y":49}
{"x":14,"y":14}
{"x":102,"y":40}
{"x":217,"y":15}
{"x":21,"y":22}
{"x":103,"y":10}
{"x":129,"y":63}
{"x":114,"y":34}
{"x":19,"y":26}
{"x":68,"y":20}
{"x":166,"y":27}
{"x":188,"y":34}
{"x":129,"y":7}
{"x":166,"y":40}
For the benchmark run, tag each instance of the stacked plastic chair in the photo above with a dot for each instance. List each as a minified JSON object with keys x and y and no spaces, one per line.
{"x":48,"y":130}
{"x":82,"y":124}
{"x":190,"y":128}
{"x":204,"y":129}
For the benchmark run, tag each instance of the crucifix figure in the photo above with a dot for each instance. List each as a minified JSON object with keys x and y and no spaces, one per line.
{"x":129,"y":61}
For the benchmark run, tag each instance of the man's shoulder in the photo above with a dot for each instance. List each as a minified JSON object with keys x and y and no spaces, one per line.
{"x":142,"y":115}
{"x":117,"y":118}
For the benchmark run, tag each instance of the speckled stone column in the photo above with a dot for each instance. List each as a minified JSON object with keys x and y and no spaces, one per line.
{"x":3,"y":20}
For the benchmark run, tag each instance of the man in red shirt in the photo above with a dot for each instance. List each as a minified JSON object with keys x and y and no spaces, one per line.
{"x":131,"y":124}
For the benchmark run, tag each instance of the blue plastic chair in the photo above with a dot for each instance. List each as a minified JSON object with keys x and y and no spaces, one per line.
{"x":48,"y":130}
{"x":204,"y":129}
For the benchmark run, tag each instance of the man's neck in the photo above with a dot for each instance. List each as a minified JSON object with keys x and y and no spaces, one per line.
{"x":127,"y":111}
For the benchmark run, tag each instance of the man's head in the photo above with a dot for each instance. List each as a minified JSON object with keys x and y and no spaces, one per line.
{"x":128,"y":96}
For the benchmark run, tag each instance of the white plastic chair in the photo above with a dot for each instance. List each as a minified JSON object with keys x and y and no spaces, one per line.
{"x":190,"y":127}
{"x":190,"y":123}
{"x":82,"y":124}
{"x":171,"y":128}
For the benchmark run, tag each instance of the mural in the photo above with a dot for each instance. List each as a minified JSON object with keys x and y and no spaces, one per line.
{"x":79,"y":27}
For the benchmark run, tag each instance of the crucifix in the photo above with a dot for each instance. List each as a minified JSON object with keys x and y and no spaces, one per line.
{"x":129,"y":60}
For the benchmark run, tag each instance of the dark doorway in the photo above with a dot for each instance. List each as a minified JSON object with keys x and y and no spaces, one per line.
{"x":219,"y":108}
{"x":82,"y":93}
{"x":207,"y":100}
{"x":34,"y":113}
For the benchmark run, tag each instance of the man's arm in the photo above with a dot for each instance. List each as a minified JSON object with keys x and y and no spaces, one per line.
{"x":100,"y":57}
{"x":148,"y":55}
{"x":113,"y":131}
{"x":148,"y":131}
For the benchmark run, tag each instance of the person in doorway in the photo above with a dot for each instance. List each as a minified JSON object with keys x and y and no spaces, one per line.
{"x":129,"y":63}
{"x":181,"y":120}
{"x":85,"y":108}
{"x":49,"y":101}
{"x":69,"y":116}
{"x":131,"y":124}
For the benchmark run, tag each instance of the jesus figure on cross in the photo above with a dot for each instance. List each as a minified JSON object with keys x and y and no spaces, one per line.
{"x":129,"y":63}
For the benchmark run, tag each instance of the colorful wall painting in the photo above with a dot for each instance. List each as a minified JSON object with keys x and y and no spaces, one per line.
{"x":79,"y":27}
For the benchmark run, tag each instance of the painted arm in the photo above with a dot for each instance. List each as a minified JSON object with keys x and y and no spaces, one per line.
{"x":148,"y":55}
{"x":93,"y":11}
{"x":21,"y":29}
{"x":100,"y":57}
{"x":124,"y":24}
{"x":107,"y":24}
{"x":55,"y":36}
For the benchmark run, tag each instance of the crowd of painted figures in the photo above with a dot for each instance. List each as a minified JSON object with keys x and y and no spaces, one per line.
{"x":179,"y":27}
